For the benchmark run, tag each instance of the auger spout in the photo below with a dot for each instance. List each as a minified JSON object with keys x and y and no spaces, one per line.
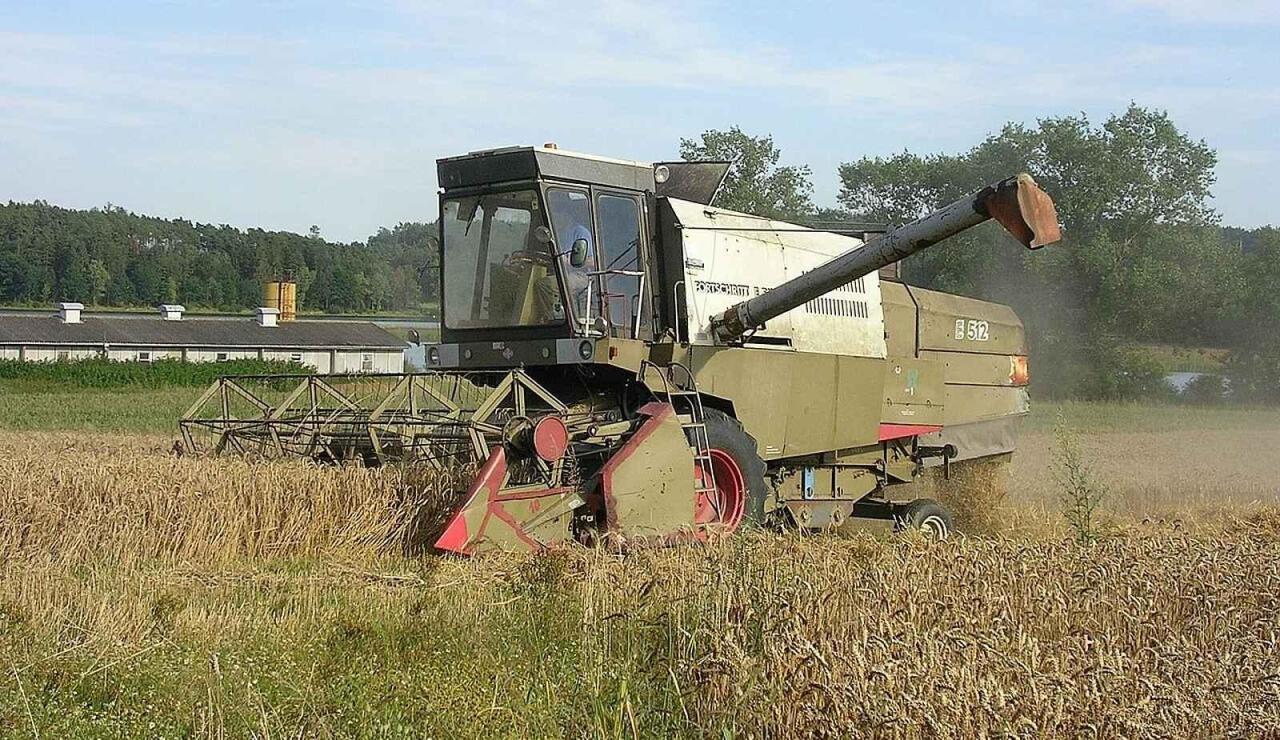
{"x":1024,"y":210}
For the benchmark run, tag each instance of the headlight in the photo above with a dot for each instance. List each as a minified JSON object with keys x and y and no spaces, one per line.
{"x":433,"y":356}
{"x":585,"y":349}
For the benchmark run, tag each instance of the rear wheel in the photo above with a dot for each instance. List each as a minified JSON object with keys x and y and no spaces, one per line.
{"x":739,"y":475}
{"x":926,"y":515}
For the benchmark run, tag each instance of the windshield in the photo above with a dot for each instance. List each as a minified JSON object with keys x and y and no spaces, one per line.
{"x":496,"y":272}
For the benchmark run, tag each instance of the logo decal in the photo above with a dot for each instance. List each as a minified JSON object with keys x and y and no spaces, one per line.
{"x":972,"y":330}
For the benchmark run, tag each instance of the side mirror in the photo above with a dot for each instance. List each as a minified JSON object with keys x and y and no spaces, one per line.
{"x":578,"y":253}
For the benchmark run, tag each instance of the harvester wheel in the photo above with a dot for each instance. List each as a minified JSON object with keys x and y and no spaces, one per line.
{"x":924,"y":514}
{"x":738,"y":470}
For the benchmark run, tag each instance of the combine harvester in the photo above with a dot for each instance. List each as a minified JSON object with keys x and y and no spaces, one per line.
{"x":621,"y":361}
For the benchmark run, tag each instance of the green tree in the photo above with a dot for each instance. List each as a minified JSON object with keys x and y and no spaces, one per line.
{"x":1140,"y":259}
{"x":414,"y":248}
{"x":14,"y":277}
{"x":1254,"y":336}
{"x":1134,"y":171}
{"x":148,"y":280}
{"x":112,"y":257}
{"x":756,"y":183}
{"x":405,"y":288}
{"x":73,"y":276}
{"x":99,"y":279}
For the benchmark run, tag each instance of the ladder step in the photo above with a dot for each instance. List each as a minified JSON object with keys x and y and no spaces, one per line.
{"x":681,"y":387}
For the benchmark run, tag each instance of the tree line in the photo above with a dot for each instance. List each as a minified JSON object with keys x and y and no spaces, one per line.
{"x":111,"y":257}
{"x":1144,"y":259}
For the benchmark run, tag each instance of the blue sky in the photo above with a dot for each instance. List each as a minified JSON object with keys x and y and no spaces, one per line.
{"x":284,"y":114}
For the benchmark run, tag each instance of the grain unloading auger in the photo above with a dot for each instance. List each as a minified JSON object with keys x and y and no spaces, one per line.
{"x":622,"y":361}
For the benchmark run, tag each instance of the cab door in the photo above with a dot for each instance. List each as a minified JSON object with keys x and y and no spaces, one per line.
{"x":624,"y":278}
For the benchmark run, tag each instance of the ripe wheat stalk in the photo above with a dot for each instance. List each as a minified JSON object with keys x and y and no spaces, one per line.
{"x":112,"y":550}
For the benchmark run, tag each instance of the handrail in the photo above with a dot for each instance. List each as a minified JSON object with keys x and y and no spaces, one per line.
{"x":675,"y":308}
{"x":637,"y":299}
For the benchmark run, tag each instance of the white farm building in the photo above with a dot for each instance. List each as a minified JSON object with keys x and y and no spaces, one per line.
{"x":326,"y":346}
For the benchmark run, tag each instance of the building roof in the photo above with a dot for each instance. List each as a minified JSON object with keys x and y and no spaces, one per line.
{"x":155,"y":332}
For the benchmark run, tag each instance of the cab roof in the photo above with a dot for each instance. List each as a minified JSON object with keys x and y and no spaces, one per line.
{"x":509,"y":164}
{"x":696,"y":181}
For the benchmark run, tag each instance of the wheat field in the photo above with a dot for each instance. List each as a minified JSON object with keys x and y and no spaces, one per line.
{"x":146,"y":595}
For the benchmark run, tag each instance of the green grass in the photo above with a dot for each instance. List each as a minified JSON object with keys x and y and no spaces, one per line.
{"x":1098,"y":416}
{"x":313,"y":653}
{"x":100,"y":395}
{"x":151,"y":411}
{"x":37,"y":377}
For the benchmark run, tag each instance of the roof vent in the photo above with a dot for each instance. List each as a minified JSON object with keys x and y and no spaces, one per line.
{"x":268,"y":317}
{"x":170,"y":312}
{"x":69,"y":313}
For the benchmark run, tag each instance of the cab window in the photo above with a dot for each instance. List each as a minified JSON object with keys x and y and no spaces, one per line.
{"x":570,"y":211}
{"x":618,"y":218}
{"x":496,"y":272}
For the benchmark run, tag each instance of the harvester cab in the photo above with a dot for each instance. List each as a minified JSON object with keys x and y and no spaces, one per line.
{"x":542,"y":250}
{"x":621,"y":360}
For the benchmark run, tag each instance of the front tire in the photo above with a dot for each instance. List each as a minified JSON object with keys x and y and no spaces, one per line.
{"x":730,"y":442}
{"x":926,"y":515}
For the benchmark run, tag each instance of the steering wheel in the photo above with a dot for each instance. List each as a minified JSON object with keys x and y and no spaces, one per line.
{"x":528,"y":257}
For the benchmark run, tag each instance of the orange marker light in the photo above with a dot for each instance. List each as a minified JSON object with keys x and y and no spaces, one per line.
{"x":1019,"y":370}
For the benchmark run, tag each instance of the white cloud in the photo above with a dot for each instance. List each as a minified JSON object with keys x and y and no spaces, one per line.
{"x":623,"y":44}
{"x":1228,"y":12}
